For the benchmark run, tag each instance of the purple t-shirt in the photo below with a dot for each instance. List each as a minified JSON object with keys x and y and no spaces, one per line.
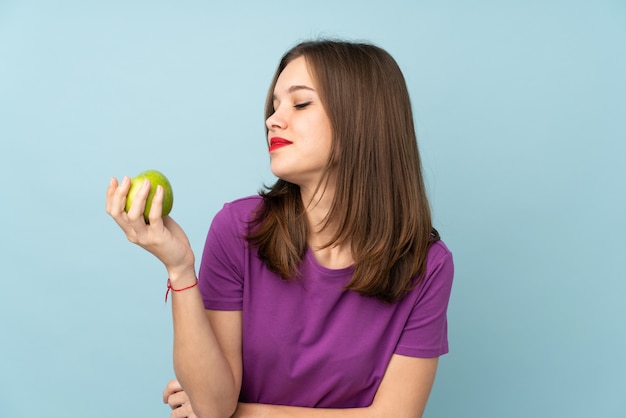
{"x":308,"y":342}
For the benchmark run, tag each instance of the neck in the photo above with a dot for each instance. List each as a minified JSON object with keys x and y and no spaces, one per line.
{"x":322,"y":230}
{"x":317,"y":202}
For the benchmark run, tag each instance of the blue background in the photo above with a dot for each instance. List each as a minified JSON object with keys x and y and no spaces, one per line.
{"x":520,"y":111}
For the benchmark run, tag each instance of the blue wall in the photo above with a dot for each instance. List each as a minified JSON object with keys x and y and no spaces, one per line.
{"x":520,"y":114}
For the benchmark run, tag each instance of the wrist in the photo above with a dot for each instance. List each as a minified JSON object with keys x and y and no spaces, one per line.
{"x":182,"y":276}
{"x":181,"y":289}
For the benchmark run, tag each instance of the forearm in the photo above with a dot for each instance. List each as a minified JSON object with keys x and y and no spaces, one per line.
{"x":199,"y":361}
{"x":246,"y":410}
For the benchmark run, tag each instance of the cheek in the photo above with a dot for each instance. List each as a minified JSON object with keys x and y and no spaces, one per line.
{"x":324,"y":130}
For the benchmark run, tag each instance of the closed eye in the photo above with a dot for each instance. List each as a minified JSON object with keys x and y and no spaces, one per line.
{"x":301,"y":105}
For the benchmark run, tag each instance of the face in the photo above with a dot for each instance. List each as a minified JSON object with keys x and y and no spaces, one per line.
{"x":299,"y":131}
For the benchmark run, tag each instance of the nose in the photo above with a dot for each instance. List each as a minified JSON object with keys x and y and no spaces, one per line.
{"x":275,"y":121}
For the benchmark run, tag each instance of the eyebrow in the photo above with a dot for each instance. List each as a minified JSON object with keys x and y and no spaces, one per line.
{"x":296,"y":88}
{"x":299,"y":87}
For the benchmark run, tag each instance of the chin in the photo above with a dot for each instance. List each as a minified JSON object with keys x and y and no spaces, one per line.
{"x":280,"y":172}
{"x":285,"y":176}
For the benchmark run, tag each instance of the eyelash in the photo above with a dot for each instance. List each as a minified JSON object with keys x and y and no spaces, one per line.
{"x":298,"y":106}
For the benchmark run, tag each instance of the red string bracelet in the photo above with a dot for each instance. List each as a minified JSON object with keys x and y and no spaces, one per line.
{"x":169,"y":287}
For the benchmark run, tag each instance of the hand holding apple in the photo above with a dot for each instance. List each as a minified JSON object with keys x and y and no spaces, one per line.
{"x":164,"y":238}
{"x":156,"y":178}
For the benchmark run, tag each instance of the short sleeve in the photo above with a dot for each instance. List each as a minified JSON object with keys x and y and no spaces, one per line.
{"x":426,"y":331}
{"x":222,"y":267}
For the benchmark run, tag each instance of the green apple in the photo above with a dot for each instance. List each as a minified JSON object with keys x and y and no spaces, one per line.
{"x":156,"y":178}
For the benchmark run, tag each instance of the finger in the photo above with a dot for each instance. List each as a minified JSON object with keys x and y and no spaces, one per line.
{"x":118,"y":197}
{"x":135,"y":212}
{"x":178,"y":399}
{"x":110,"y":191}
{"x":156,"y":210}
{"x":185,"y":411}
{"x":172,"y":386}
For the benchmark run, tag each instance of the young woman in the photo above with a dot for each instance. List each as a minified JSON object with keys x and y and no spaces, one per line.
{"x":326,"y":295}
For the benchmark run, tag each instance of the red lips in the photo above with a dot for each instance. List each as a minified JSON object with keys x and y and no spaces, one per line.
{"x":278,"y":142}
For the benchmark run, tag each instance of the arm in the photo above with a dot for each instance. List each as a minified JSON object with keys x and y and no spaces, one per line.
{"x":403,"y":393}
{"x":226,"y":327}
{"x":207,"y":354}
{"x":207,"y":345}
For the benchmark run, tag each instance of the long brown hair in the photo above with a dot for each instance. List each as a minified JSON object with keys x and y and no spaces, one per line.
{"x":380,"y":206}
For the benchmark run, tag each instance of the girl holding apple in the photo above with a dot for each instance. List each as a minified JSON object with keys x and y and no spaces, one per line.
{"x":326,"y":294}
